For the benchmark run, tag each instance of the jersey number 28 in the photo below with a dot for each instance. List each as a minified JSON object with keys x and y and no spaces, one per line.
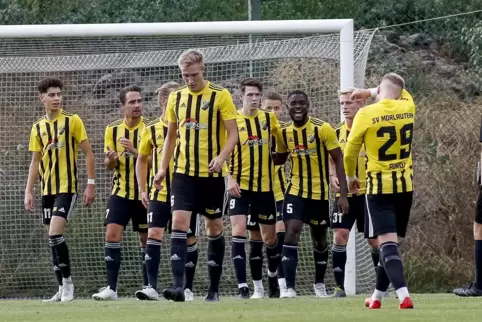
{"x":405,"y":139}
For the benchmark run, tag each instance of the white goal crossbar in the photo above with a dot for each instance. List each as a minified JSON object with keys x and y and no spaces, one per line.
{"x":345,"y":28}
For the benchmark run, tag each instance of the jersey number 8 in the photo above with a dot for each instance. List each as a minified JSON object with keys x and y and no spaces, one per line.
{"x":405,"y":139}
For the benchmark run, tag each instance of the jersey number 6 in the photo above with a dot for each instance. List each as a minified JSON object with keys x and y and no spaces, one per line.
{"x":405,"y":139}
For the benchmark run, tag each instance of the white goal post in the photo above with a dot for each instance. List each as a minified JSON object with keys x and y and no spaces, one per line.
{"x":343,"y":28}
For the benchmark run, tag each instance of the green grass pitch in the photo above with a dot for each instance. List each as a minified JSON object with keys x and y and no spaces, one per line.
{"x":428,"y":307}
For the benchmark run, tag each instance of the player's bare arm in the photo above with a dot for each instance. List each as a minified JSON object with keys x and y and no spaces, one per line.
{"x":141,"y":174}
{"x":89,"y":193}
{"x":233,"y":186}
{"x":129,"y":146}
{"x":33,"y":173}
{"x":335,"y":183}
{"x":167,"y":153}
{"x":111,"y":159}
{"x":216,"y":164}
{"x":337,"y":157}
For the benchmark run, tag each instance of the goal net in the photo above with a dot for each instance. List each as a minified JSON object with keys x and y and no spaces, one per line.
{"x":93,"y":70}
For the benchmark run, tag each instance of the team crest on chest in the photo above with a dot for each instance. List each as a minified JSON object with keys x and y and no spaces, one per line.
{"x":264,"y":125}
{"x":311,"y":138}
{"x":61,"y":130}
{"x":205,"y":105}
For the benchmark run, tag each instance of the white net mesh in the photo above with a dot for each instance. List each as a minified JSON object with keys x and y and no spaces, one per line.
{"x":93,"y":71}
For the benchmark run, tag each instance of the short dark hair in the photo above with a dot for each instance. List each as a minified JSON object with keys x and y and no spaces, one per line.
{"x":49,"y":82}
{"x":253,"y":82}
{"x":296,"y":92}
{"x":272,"y":96}
{"x":127,"y":89}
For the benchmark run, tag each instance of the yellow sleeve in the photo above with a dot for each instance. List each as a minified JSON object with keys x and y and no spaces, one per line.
{"x":275,"y":126}
{"x":227,"y":108}
{"x":79,"y":132}
{"x":146,"y":146}
{"x":34,"y":145}
{"x":406,"y":96}
{"x":108,"y":139}
{"x":354,"y":143}
{"x":171,"y":116}
{"x":280,"y":142}
{"x":328,"y":136}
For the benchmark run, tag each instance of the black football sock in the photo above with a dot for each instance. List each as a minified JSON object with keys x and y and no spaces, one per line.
{"x":339,"y":263}
{"x":382,"y":281}
{"x":55,"y":264}
{"x":375,"y":252}
{"x":478,"y":264}
{"x":145,"y":279}
{"x":256,"y":259}
{"x":281,"y":240}
{"x":321,"y":260}
{"x":62,"y":251}
{"x":274,"y":259}
{"x":152,"y":260}
{"x":178,"y":256}
{"x":191,"y":264}
{"x":112,"y":263}
{"x":392,"y":263}
{"x":238,"y":253}
{"x":290,"y":262}
{"x":216,"y":248}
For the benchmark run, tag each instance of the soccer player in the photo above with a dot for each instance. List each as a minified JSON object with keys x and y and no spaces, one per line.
{"x":121,"y":145}
{"x":309,"y":142}
{"x":475,"y":288}
{"x":158,"y":204}
{"x":250,"y":186}
{"x":386,"y":130}
{"x":343,"y":224}
{"x":54,"y":142}
{"x":199,"y":115}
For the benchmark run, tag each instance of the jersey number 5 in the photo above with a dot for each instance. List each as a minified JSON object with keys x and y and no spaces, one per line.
{"x":405,"y":139}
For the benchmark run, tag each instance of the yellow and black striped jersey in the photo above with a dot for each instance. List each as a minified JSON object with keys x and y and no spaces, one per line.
{"x":386,"y":130}
{"x":308,"y":148}
{"x":124,"y":182}
{"x":58,"y":142}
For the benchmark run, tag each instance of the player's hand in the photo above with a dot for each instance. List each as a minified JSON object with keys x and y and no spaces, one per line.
{"x":215,"y":165}
{"x":360,"y":95}
{"x":354,"y":185}
{"x":28,"y":202}
{"x":343,"y":205}
{"x":111,"y":154}
{"x":159,"y":178}
{"x":89,"y":194}
{"x":335,"y":183}
{"x":128,"y":145}
{"x":233,"y":187}
{"x":145,"y":199}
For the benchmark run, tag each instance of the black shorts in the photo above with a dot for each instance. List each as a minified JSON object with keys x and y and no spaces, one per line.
{"x":159,"y":216}
{"x":199,"y":195}
{"x":121,"y":210}
{"x":254,"y":226}
{"x":61,"y":205}
{"x":478,"y":209}
{"x":261,"y":206}
{"x":387,"y":213}
{"x":356,"y":213}
{"x":316,"y":213}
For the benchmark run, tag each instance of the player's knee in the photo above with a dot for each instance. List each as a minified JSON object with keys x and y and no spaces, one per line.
{"x":280,"y":227}
{"x":155,"y":233}
{"x":113,"y":233}
{"x":255,"y":235}
{"x":238,"y":225}
{"x":340,"y":236}
{"x":181,"y":220}
{"x":292,"y":235}
{"x":191,"y":240}
{"x":477,"y":231}
{"x":143,"y":239}
{"x":214,"y":227}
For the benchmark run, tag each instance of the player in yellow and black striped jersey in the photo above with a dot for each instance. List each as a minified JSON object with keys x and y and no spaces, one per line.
{"x":308,"y":142}
{"x":199,"y":115}
{"x":158,"y":202}
{"x":54,"y":142}
{"x":121,"y":145}
{"x":342,"y":224}
{"x":250,"y":185}
{"x":386,"y":130}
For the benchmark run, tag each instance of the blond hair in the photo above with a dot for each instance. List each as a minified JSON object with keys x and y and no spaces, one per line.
{"x":347,"y":91}
{"x":165,"y":90}
{"x":395,"y":79}
{"x":190,"y":57}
